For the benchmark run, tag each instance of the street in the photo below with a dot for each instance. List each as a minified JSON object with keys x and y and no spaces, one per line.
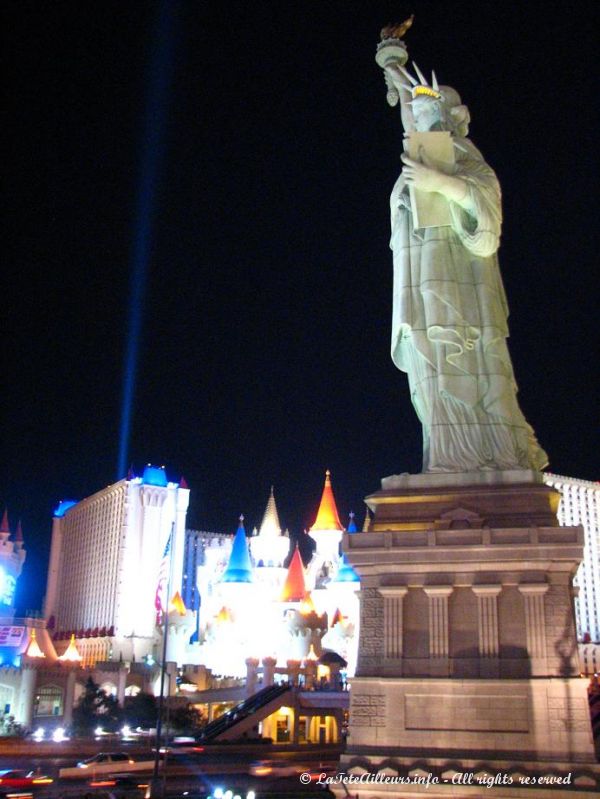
{"x":193,"y":773}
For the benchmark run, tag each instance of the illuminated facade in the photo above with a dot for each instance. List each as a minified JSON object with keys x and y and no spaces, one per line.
{"x":580,"y":504}
{"x":104,"y":563}
{"x":252,"y":605}
{"x":12,"y":557}
{"x":244,"y":611}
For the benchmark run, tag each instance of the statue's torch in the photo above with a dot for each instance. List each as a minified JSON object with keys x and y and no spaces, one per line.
{"x":391,"y":51}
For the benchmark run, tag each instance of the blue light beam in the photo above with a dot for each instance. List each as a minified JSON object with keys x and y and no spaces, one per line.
{"x":152,"y":153}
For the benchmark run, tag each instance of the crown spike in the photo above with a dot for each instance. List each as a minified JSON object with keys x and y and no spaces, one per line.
{"x":407,"y":75}
{"x":434,"y":81}
{"x":420,"y":75}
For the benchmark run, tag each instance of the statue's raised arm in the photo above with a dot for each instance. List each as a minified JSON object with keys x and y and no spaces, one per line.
{"x":392,"y":56}
{"x":449,"y":325}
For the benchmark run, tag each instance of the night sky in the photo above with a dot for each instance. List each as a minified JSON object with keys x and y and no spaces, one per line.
{"x":264,"y":351}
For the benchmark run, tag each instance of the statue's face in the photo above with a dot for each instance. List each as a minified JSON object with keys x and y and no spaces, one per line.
{"x":427,"y":113}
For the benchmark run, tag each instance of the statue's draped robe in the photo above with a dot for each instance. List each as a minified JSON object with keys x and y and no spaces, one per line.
{"x":449,"y":330}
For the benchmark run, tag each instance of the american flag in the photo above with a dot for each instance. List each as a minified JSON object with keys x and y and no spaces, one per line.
{"x":160,"y":598}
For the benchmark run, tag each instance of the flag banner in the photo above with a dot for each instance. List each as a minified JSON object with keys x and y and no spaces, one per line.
{"x":160,"y":598}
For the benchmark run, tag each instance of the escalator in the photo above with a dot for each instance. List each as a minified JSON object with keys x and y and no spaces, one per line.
{"x":247,"y":714}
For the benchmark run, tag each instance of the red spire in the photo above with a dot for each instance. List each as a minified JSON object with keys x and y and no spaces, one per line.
{"x":183,"y":483}
{"x":4,"y":528}
{"x":294,"y":587}
{"x":19,"y":533}
{"x":337,"y":617}
{"x":327,"y":516}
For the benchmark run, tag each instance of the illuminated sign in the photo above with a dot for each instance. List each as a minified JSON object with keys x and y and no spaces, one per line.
{"x":11,"y":636}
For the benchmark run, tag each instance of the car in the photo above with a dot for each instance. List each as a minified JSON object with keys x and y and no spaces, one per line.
{"x":274,"y":768}
{"x":104,"y":759}
{"x":121,"y":781}
{"x":17,"y":778}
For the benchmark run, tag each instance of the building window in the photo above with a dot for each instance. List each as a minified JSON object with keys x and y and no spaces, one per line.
{"x":48,"y":701}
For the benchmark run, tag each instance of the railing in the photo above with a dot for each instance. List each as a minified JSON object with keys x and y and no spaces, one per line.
{"x":246,"y":708}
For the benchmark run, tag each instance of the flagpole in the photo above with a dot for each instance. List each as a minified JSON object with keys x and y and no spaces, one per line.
{"x":157,"y":785}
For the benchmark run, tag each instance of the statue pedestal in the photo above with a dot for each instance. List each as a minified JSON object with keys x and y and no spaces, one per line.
{"x":467,"y":655}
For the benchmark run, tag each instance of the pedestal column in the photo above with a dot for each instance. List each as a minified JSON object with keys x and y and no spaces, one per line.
{"x":487,"y":612}
{"x":533,"y":595}
{"x":393,"y":632}
{"x":438,"y":628}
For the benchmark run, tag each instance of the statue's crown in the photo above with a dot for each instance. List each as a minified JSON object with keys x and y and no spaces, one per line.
{"x":421,"y":88}
{"x":425,"y":90}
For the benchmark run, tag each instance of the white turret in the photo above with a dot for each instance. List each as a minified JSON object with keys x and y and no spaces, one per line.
{"x":270,"y":547}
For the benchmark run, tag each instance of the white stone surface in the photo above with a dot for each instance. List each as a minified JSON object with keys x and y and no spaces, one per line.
{"x":540,"y":719}
{"x":449,"y":324}
{"x":453,"y":479}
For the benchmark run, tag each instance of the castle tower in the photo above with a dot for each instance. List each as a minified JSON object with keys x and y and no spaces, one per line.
{"x":12,"y":557}
{"x":236,"y":587}
{"x":231,"y":632}
{"x":326,"y":532}
{"x":181,"y":624}
{"x":270,"y":547}
{"x":239,"y":568}
{"x":294,"y":586}
{"x":304,"y":625}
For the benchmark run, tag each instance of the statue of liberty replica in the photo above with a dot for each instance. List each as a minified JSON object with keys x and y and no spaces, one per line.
{"x":468,"y":672}
{"x":449,"y":325}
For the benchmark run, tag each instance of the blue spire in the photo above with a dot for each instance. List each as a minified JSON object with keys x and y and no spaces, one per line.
{"x":63,"y":506}
{"x":239,"y":568}
{"x":351,"y":524}
{"x":346,"y":573}
{"x":155,"y":476}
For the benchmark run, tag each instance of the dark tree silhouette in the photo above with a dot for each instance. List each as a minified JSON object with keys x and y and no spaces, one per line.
{"x":95,"y":707}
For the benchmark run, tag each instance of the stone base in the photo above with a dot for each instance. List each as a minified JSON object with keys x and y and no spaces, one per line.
{"x":363,"y":776}
{"x":540,"y":719}
{"x":456,"y":479}
{"x":467,"y":653}
{"x":445,"y":501}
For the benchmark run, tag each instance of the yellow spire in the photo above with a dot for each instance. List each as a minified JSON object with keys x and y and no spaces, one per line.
{"x":177,"y":604}
{"x":33,"y":648}
{"x":327,"y":516}
{"x":224,"y":615}
{"x":307,"y":606}
{"x":367,"y":522}
{"x":312,"y":655}
{"x":71,"y":654}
